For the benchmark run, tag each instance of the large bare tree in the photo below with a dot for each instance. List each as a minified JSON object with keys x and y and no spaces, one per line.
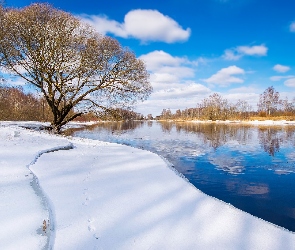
{"x":71,"y":64}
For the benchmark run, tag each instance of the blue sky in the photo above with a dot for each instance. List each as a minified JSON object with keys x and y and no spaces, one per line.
{"x":192,"y":49}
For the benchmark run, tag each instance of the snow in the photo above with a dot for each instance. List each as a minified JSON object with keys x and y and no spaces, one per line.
{"x":99,"y":195}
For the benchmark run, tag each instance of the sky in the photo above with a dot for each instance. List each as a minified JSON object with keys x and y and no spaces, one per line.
{"x":194,"y":48}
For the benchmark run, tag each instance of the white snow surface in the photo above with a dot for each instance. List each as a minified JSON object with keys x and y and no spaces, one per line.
{"x":101,"y":195}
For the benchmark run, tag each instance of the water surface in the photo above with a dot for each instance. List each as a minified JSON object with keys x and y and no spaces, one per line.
{"x":250,"y":167}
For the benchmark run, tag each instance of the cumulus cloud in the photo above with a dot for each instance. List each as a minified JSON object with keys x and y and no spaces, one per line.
{"x":240,"y":51}
{"x":292,"y":27}
{"x":145,"y":25}
{"x":290,"y":82}
{"x":166,"y":69}
{"x":159,"y":58}
{"x":225,"y":76}
{"x":172,"y":74}
{"x":281,"y":68}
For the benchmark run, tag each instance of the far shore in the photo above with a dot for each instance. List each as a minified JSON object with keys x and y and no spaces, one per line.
{"x":250,"y":122}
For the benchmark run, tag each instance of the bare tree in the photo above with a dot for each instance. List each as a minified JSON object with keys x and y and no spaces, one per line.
{"x":71,"y":64}
{"x":243,"y":109}
{"x":215,"y":107}
{"x":269,"y":101}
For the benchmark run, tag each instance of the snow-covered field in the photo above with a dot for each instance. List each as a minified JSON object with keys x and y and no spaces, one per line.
{"x":98,"y":195}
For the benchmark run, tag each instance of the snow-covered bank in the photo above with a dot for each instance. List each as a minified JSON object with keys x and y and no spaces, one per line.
{"x":109,"y":196}
{"x":23,"y":207}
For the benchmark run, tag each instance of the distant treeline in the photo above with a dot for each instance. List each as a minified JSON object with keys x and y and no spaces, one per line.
{"x":215,"y":107}
{"x":112,"y":115}
{"x":16,"y":105}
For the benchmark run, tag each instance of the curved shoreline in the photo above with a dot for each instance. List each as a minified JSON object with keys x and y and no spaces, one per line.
{"x":45,"y":201}
{"x":105,"y":191}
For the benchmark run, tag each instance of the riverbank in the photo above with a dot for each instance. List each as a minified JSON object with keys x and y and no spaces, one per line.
{"x":99,"y":195}
{"x":253,"y":122}
{"x":247,"y":122}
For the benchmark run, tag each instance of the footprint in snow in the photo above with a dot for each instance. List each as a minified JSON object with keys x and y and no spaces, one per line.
{"x":91,"y":228}
{"x":96,"y":236}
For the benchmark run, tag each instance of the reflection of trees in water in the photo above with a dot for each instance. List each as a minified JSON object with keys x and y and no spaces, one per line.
{"x":123,"y":126}
{"x":114,"y":127}
{"x":270,"y":138}
{"x":167,"y":126}
{"x":150,"y":124}
{"x":215,"y":135}
{"x":212,"y":134}
{"x":290,"y":134}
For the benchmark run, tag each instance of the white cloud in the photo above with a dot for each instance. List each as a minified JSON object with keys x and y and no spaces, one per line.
{"x":104,"y":25}
{"x":225,"y":76}
{"x":292,"y":27}
{"x":240,"y":51}
{"x":259,"y":50}
{"x":231,"y":55}
{"x":166,"y":69}
{"x":172,"y":80}
{"x":156,"y":26}
{"x":159,"y":58}
{"x":172,"y":74}
{"x":181,"y":91}
{"x":290,"y":82}
{"x":180,"y":96}
{"x":145,"y":25}
{"x":278,"y":78}
{"x":162,"y":78}
{"x":281,"y":68}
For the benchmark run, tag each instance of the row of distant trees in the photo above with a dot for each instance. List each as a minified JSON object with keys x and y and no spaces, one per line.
{"x":215,"y":107}
{"x":15,"y":105}
{"x":117,"y":115}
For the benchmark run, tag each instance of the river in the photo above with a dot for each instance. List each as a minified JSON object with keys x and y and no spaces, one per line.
{"x":251,"y":167}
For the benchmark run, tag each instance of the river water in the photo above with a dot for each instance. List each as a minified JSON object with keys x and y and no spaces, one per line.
{"x":250,"y":167}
